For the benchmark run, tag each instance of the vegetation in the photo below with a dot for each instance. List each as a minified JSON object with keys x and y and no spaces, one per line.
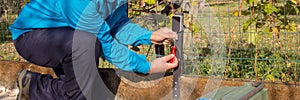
{"x":261,"y":39}
{"x":277,"y":19}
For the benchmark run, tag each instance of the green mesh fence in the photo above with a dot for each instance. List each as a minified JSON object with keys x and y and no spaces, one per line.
{"x":261,"y":40}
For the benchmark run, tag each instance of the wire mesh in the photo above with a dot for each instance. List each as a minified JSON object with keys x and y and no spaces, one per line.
{"x":254,"y":53}
{"x":251,"y":53}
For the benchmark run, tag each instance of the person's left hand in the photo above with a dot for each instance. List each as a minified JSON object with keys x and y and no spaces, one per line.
{"x":162,"y":35}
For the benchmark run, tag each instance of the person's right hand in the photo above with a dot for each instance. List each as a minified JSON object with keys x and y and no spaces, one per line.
{"x":162,"y":64}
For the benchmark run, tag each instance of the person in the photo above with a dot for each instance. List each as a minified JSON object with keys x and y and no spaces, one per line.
{"x":70,"y":36}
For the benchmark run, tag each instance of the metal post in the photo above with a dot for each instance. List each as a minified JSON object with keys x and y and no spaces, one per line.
{"x":177,"y":26}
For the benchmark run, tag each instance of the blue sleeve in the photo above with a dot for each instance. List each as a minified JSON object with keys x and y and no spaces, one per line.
{"x":121,"y":56}
{"x":132,"y":34}
{"x":125,"y":31}
{"x":90,"y":17}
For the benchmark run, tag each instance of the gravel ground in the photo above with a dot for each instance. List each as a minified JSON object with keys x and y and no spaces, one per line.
{"x":6,"y":94}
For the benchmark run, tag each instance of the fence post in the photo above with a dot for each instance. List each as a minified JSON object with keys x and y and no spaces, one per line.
{"x":177,"y":26}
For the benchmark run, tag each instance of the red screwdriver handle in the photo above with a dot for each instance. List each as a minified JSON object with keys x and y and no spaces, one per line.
{"x":173,"y":51}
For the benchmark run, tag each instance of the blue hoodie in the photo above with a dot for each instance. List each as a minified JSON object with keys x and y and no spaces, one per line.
{"x":106,"y":19}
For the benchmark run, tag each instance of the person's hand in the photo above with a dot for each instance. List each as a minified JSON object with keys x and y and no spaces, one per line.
{"x":162,"y":35}
{"x":162,"y":64}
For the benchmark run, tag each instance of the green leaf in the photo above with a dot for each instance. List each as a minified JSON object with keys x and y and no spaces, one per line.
{"x":251,"y":38}
{"x":150,"y":2}
{"x":250,"y":1}
{"x":294,"y":1}
{"x":248,"y":23}
{"x":296,"y":9}
{"x":269,"y":8}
